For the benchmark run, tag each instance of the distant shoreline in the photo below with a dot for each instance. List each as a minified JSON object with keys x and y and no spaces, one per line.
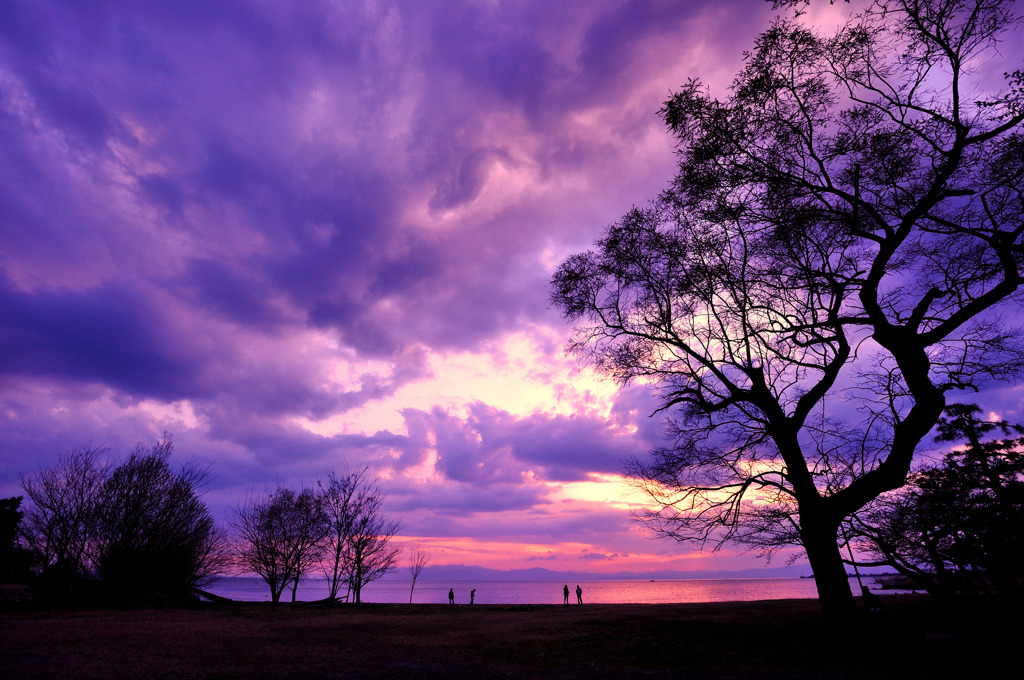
{"x":463,"y":572}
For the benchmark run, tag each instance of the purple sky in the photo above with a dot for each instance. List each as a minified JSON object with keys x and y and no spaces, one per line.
{"x":302,"y":234}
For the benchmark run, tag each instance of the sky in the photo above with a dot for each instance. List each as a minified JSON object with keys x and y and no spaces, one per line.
{"x":305,"y":236}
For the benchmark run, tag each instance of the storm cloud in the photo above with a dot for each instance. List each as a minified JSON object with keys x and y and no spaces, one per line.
{"x":303,"y":235}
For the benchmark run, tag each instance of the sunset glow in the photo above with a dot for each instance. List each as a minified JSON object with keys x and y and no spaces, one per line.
{"x":306,"y":236}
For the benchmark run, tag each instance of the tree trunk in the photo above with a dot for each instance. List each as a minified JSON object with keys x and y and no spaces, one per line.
{"x":945,"y":583}
{"x":357,"y":584}
{"x":834,"y":595}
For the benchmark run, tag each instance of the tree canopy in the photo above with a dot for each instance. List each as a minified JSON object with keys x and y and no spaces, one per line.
{"x":825,"y":268}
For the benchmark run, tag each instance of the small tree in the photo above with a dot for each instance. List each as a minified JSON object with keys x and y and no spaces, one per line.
{"x":369,"y":551}
{"x":60,"y":517}
{"x":418,"y":560}
{"x":308,"y":535}
{"x":339,"y":507}
{"x":280,"y":537}
{"x":958,"y":523}
{"x":14,"y":558}
{"x":356,"y":547}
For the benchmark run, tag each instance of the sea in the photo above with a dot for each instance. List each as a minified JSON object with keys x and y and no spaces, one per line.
{"x":667,"y":591}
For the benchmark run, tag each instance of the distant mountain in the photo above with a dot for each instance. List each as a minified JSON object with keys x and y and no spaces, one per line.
{"x":462,"y":572}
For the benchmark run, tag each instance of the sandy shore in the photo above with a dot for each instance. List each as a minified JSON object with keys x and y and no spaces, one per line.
{"x":773,"y":639}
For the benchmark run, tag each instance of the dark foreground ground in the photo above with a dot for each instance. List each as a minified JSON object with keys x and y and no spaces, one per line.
{"x":773,"y":639}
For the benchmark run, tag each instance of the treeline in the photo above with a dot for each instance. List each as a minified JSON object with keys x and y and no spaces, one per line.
{"x":137,"y":532}
{"x":93,"y":531}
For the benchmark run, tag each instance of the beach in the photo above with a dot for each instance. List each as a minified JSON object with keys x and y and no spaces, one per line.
{"x":765,"y":639}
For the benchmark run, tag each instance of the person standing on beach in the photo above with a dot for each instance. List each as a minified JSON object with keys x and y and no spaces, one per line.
{"x":472,"y":594}
{"x":565,"y":592}
{"x":451,"y":596}
{"x":579,"y":594}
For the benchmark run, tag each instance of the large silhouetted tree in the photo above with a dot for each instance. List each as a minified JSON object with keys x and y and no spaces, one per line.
{"x":823,"y":271}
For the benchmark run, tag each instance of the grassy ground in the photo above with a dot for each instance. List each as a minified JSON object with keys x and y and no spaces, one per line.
{"x":774,"y":639}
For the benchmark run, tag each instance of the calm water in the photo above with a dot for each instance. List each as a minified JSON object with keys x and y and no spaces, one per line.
{"x":544,"y":592}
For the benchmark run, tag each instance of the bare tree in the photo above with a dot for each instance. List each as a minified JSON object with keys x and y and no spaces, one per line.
{"x":60,"y":515}
{"x":141,"y":529}
{"x":357,"y":547}
{"x":339,"y":507}
{"x":418,"y":560}
{"x":280,"y":537}
{"x":369,"y":551}
{"x":154,"y":538}
{"x":823,"y":271}
{"x":309,"y":530}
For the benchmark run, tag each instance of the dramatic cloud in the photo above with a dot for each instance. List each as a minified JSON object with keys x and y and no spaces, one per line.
{"x":304,"y":235}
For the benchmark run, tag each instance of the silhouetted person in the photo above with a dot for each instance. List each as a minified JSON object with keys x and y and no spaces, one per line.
{"x":579,"y":595}
{"x":565,"y":592}
{"x":451,"y":596}
{"x":472,"y":594}
{"x":870,"y":600}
